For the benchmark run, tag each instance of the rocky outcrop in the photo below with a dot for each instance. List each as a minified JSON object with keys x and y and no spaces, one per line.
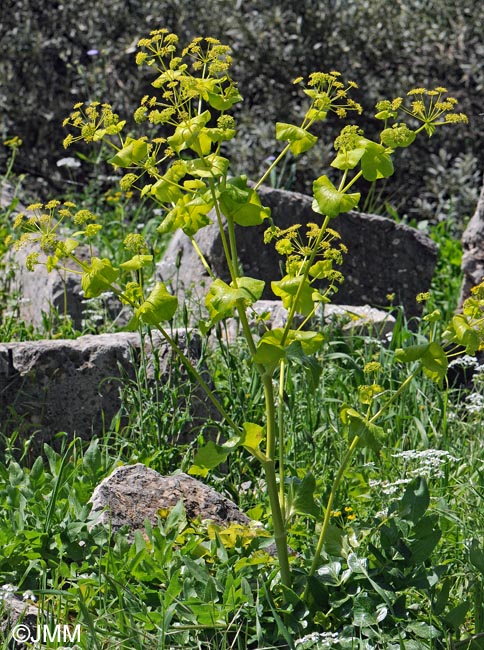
{"x":473,"y":250}
{"x":75,"y":386}
{"x":383,"y":257}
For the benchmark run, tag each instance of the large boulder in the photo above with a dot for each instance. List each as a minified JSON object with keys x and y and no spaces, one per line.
{"x":383,"y":257}
{"x":75,"y":386}
{"x":133,"y":494}
{"x":473,"y":250}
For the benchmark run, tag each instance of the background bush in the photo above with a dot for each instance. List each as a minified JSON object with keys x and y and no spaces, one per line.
{"x":55,"y":53}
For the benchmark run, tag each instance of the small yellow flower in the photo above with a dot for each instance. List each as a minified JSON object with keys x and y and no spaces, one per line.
{"x":423,"y":297}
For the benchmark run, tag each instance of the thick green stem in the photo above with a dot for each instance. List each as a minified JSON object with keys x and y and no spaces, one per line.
{"x":280,"y":533}
{"x":280,"y":412}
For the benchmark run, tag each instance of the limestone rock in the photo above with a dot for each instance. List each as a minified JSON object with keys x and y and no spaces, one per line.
{"x":74,"y":385}
{"x":133,"y":494}
{"x":383,"y":258}
{"x":473,"y":250}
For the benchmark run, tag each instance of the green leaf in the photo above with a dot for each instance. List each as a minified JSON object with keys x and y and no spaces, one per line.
{"x":136,"y":262}
{"x":99,"y":277}
{"x":398,"y":136}
{"x":415,"y":501}
{"x":376,"y":162}
{"x":269,"y":349}
{"x":287,"y":289}
{"x":166,"y":189}
{"x":187,"y":133}
{"x":456,"y":618}
{"x":158,"y":307}
{"x":132,"y":152}
{"x":242,"y":203}
{"x":190,"y":214}
{"x":223,"y":101}
{"x":211,"y":166}
{"x":330,"y":201}
{"x":369,"y":434}
{"x":463,"y":334}
{"x":432,"y":357}
{"x":251,"y":438}
{"x":208,"y":457}
{"x":300,"y":140}
{"x":348,"y":159}
{"x":300,"y":497}
{"x":222,"y":298}
{"x":476,"y":556}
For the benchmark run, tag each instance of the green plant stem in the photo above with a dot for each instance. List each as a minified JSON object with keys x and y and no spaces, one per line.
{"x":223,"y":237}
{"x":280,"y":533}
{"x":280,"y":412}
{"x":272,"y":166}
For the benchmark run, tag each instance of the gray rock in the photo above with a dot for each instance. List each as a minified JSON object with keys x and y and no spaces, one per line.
{"x":360,"y":320}
{"x":19,"y":617}
{"x":74,"y":385}
{"x":384,"y":257}
{"x":473,"y":251}
{"x":133,"y":494}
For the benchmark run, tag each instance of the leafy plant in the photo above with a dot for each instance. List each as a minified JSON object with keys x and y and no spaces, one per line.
{"x":187,"y":175}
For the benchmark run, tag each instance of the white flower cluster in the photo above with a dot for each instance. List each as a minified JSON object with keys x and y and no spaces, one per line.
{"x":317,"y":640}
{"x":429,"y":461}
{"x":387,"y":487}
{"x":475,"y":403}
{"x":6,"y":592}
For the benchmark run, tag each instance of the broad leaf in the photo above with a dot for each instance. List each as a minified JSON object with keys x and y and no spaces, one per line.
{"x":187,"y":133}
{"x":137,"y":262}
{"x":300,"y":497}
{"x":132,"y":152}
{"x":166,"y":189}
{"x":369,"y":434}
{"x":242,"y":204}
{"x":189,"y":214}
{"x":158,"y":307}
{"x":300,"y":140}
{"x":330,"y":201}
{"x":98,"y":278}
{"x":222,"y":298}
{"x":208,"y":457}
{"x":287,"y":289}
{"x":211,"y":166}
{"x":348,"y":159}
{"x":398,"y":136}
{"x":376,"y":162}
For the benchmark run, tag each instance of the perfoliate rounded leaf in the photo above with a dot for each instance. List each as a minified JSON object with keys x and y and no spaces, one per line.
{"x":398,"y":136}
{"x":132,"y":152}
{"x":348,"y":159}
{"x":160,"y":306}
{"x":222,"y":298}
{"x":330,"y":201}
{"x":300,"y":140}
{"x":186,"y":134}
{"x":376,"y":162}
{"x":136,"y":262}
{"x":288,"y":287}
{"x":166,"y":189}
{"x":242,"y":204}
{"x":98,"y":278}
{"x":211,"y":166}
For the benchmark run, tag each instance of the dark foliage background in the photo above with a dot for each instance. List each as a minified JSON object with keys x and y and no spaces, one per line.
{"x":48,"y":64}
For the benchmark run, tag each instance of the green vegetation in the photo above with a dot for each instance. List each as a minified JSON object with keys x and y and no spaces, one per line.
{"x":344,"y":448}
